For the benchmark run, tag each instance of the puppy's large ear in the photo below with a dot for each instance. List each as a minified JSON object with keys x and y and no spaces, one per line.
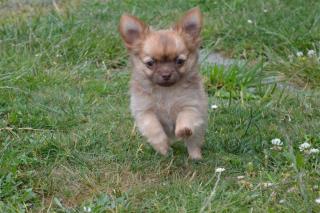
{"x":191,"y":24}
{"x":132,"y":30}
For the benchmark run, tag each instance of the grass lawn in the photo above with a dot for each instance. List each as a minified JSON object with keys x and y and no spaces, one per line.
{"x":67,"y":140}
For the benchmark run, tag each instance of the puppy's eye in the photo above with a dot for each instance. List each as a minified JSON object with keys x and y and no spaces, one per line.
{"x":150,"y":63}
{"x":180,"y":61}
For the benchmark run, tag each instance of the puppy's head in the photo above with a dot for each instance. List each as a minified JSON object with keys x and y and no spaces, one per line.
{"x":164,"y":56}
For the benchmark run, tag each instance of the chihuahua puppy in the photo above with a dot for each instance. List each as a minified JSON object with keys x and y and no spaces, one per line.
{"x":168,"y":100}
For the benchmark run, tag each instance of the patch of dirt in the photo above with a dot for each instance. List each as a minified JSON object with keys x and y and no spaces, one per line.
{"x":16,"y":6}
{"x":72,"y":187}
{"x":12,"y":8}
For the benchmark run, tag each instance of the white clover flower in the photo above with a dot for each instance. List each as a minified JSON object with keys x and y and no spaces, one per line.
{"x":292,"y":190}
{"x":304,"y":146}
{"x":311,"y":53}
{"x":282,"y":201}
{"x":265,"y":10}
{"x":268,"y":184}
{"x":250,"y":21}
{"x":317,"y":200}
{"x":240,"y":177}
{"x":219,"y":170}
{"x":291,"y":57}
{"x":87,"y":209}
{"x":313,"y":151}
{"x":276,"y":142}
{"x":213,"y":106}
{"x":299,"y":54}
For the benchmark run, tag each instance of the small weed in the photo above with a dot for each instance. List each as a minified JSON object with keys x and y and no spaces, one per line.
{"x":237,"y":81}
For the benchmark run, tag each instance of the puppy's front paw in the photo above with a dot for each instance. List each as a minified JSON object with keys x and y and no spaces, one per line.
{"x":162,"y":148}
{"x":195,"y":153}
{"x":184,"y":132}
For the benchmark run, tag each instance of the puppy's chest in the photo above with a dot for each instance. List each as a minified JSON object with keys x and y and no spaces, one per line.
{"x":166,"y":109}
{"x":166,"y":103}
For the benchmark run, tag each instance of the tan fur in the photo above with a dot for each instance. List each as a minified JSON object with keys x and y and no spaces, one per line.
{"x":166,"y":113}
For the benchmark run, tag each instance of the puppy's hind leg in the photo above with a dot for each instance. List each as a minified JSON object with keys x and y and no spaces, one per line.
{"x":151,"y":128}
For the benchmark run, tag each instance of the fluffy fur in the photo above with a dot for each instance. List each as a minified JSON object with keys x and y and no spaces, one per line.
{"x":167,"y":101}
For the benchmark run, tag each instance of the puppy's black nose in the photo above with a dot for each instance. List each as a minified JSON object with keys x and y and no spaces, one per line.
{"x":166,"y":77}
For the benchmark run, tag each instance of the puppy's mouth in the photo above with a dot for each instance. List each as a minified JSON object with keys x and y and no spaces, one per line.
{"x":166,"y":83}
